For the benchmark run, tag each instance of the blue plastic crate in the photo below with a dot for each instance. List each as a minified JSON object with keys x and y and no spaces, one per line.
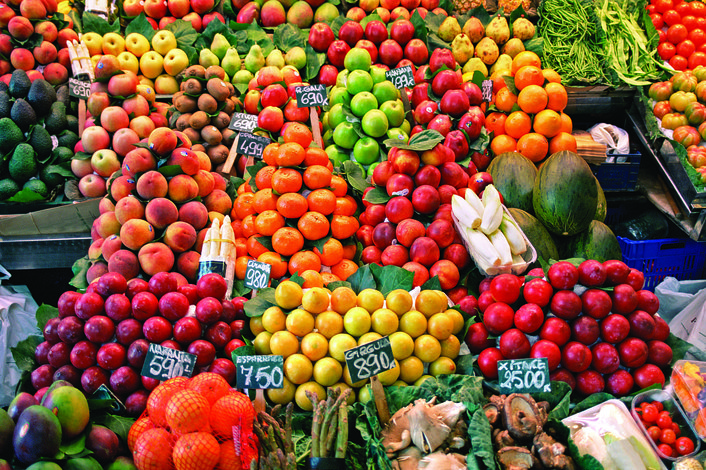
{"x":619,"y":176}
{"x":681,"y":258}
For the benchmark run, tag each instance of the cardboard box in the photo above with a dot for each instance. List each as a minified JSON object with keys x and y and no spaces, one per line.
{"x":70,"y":218}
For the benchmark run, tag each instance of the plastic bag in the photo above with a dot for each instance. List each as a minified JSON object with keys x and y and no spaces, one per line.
{"x":615,"y":138}
{"x":683,"y":306}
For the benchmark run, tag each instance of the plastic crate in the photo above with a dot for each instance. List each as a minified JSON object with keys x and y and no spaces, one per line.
{"x":619,"y":176}
{"x":681,"y":258}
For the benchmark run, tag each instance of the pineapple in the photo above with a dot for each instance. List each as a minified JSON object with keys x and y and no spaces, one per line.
{"x":511,"y":5}
{"x":462,"y":6}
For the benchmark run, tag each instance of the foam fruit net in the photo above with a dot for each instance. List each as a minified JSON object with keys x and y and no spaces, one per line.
{"x":195,"y":424}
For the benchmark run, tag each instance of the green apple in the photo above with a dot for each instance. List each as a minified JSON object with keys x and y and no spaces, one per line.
{"x":337,"y":154}
{"x":394,"y":110}
{"x":336,"y":116}
{"x":385,"y":91}
{"x":358,"y":81}
{"x":375,"y":123}
{"x":397,"y":134}
{"x":357,"y":59}
{"x":342,"y":78}
{"x":324,"y":121}
{"x":339,"y":94}
{"x":328,"y":138}
{"x":344,"y":135}
{"x":406,"y":126}
{"x":378,"y":73}
{"x":363,"y":102}
{"x":366,"y":151}
{"x":371,"y":168}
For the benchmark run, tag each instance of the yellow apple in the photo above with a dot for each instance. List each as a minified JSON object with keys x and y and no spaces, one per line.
{"x":164,"y":41}
{"x":166,"y":85}
{"x":95,"y":59}
{"x":93,"y":42}
{"x":151,"y":64}
{"x":137,"y":44}
{"x":128,"y":61}
{"x":142,"y":80}
{"x":113,"y":43}
{"x":175,"y":61}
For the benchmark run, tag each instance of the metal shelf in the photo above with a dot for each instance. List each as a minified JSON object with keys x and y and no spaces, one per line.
{"x":43,"y":251}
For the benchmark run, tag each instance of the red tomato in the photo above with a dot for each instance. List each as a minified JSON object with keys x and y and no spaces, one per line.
{"x":689,"y":21}
{"x":665,"y":449}
{"x":701,"y":23}
{"x":654,"y":432}
{"x":664,"y":420}
{"x":667,"y":436}
{"x":678,"y":62}
{"x":677,"y":33}
{"x":676,"y":429}
{"x":651,"y":9}
{"x":685,"y":48}
{"x":698,"y":9}
{"x":696,"y":59}
{"x":701,"y":48}
{"x":649,"y":413}
{"x":666,"y":50}
{"x":671,"y":17}
{"x":683,"y":8}
{"x":659,"y":405}
{"x":697,"y":36}
{"x":684,"y":445}
{"x":657,"y":20}
{"x":663,"y":5}
{"x":662,"y":36}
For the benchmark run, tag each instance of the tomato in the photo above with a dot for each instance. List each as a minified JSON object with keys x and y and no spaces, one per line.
{"x":684,"y":446}
{"x":669,"y":121}
{"x":698,"y":9}
{"x":664,"y":420}
{"x":685,"y":48}
{"x":666,"y":50}
{"x":678,"y":62}
{"x":661,"y":109}
{"x":689,"y":21}
{"x":701,"y":23}
{"x":659,"y":405}
{"x":696,"y":58}
{"x":697,"y":36}
{"x":654,"y":432}
{"x":667,"y":436}
{"x":665,"y":449}
{"x":651,"y":9}
{"x":683,"y":8}
{"x":649,"y":413}
{"x":671,"y":17}
{"x":676,"y":429}
{"x":538,"y":291}
{"x":662,"y":36}
{"x":663,"y":5}
{"x":677,"y":33}
{"x":657,"y":20}
{"x":505,"y":288}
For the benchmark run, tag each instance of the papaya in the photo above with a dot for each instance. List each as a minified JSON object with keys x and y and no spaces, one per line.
{"x":537,"y":234}
{"x":513,"y":175}
{"x":597,"y":242}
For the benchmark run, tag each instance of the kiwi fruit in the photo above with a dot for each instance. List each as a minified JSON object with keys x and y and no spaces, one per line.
{"x":197,"y":71}
{"x":229,"y":108}
{"x":221,"y":120}
{"x":208,"y":103}
{"x":215,"y":71}
{"x":183,"y":122}
{"x":185,"y":104}
{"x":231,"y":88}
{"x":217,"y":153}
{"x":199,"y":120}
{"x":228,"y":137}
{"x":199,"y":148}
{"x":218,"y":89}
{"x":211,"y":135}
{"x":192,"y":86}
{"x":192,"y":134}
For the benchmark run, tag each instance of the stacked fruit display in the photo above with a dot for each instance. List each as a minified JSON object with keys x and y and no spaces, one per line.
{"x":393,"y":9}
{"x":593,"y":339}
{"x":273,"y":13}
{"x":682,"y":32}
{"x":162,"y":13}
{"x":223,"y":53}
{"x":101,"y":337}
{"x":321,"y":325}
{"x":275,"y":223}
{"x":191,"y":424}
{"x":37,"y":135}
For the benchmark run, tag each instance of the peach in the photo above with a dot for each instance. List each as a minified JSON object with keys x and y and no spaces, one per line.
{"x":447,"y":272}
{"x":160,"y":120}
{"x":186,"y":159}
{"x":47,"y":29}
{"x":161,"y":212}
{"x":124,"y":141}
{"x":106,"y":205}
{"x":107,"y":224}
{"x":162,"y":141}
{"x":45,"y":53}
{"x":121,"y":187}
{"x":124,"y":262}
{"x":152,"y":184}
{"x":56,"y":73}
{"x":5,"y":43}
{"x":129,"y":208}
{"x":194,"y":213}
{"x":33,"y":9}
{"x":138,"y":160}
{"x":96,"y":270}
{"x":20,"y":28}
{"x":188,"y":265}
{"x":22,"y":59}
{"x":206,"y":182}
{"x":183,"y":188}
{"x":421,"y":274}
{"x":94,"y":250}
{"x":64,"y":59}
{"x":67,"y":35}
{"x":218,"y":201}
{"x":111,"y":245}
{"x":219,"y":180}
{"x":135,"y":233}
{"x":6,"y":14}
{"x":180,"y":236}
{"x":200,"y":237}
{"x":155,"y":258}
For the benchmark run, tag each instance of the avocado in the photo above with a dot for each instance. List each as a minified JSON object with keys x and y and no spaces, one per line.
{"x":8,"y":188}
{"x":19,"y":84}
{"x":4,"y":87}
{"x":51,"y":176}
{"x":61,"y":155}
{"x":23,"y":114}
{"x":5,"y":104}
{"x":23,"y":165}
{"x":38,"y":186}
{"x":68,"y":138}
{"x":62,"y":94}
{"x":72,"y":122}
{"x":56,"y":122}
{"x":10,"y":135}
{"x":41,"y":96}
{"x":40,"y":140}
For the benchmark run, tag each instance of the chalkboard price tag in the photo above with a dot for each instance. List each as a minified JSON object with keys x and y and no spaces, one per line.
{"x":258,"y":372}
{"x":164,"y":363}
{"x":487,"y":90}
{"x":524,"y":376}
{"x":104,"y":393}
{"x":79,"y":88}
{"x":251,"y":144}
{"x":369,"y":359}
{"x":257,"y":274}
{"x":311,"y":96}
{"x":401,"y":77}
{"x":242,"y":122}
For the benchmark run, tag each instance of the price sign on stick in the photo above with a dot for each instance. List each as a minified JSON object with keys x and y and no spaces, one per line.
{"x":401,"y":77}
{"x":164,"y":363}
{"x":487,"y":90}
{"x":257,"y":274}
{"x":79,"y":88}
{"x":369,"y":359}
{"x":524,"y":375}
{"x":242,"y":122}
{"x":311,"y":96}
{"x":258,"y":372}
{"x":251,"y":144}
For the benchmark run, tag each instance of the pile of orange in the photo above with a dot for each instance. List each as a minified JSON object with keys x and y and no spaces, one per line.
{"x":531,"y":122}
{"x":189,"y":425}
{"x":301,"y":218}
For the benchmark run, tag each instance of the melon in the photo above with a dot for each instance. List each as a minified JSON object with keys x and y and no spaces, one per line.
{"x":513,"y":175}
{"x":537,"y":234}
{"x":601,"y":205}
{"x":597,"y":242}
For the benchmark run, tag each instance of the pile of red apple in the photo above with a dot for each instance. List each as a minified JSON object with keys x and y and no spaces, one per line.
{"x":391,"y":10}
{"x":594,"y":323}
{"x":101,"y":337}
{"x":32,"y":42}
{"x":160,"y":13}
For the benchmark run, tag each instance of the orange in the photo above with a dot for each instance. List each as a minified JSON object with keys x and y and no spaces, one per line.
{"x":495,"y":123}
{"x":498,"y":78}
{"x":255,"y":248}
{"x":264,"y":200}
{"x":187,"y":412}
{"x":557,"y":98}
{"x":290,"y":154}
{"x":339,"y":186}
{"x":243,"y":206}
{"x":237,"y":226}
{"x":292,"y":205}
{"x":317,"y":177}
{"x":551,"y":75}
{"x":505,"y":100}
{"x":344,"y":226}
{"x":229,"y":411}
{"x":528,"y":75}
{"x":304,"y":261}
{"x":349,"y":251}
{"x":562,"y":141}
{"x":244,"y":188}
{"x":313,"y":225}
{"x":160,"y":396}
{"x":547,"y":123}
{"x":344,"y":269}
{"x":287,"y":241}
{"x":322,"y":200}
{"x":566,"y":124}
{"x":196,"y":451}
{"x":228,"y":460}
{"x":518,"y":124}
{"x":525,"y":58}
{"x":279,"y":265}
{"x":241,"y":247}
{"x":312,"y":279}
{"x":269,"y":154}
{"x":210,"y":385}
{"x":249,"y":228}
{"x":241,"y":264}
{"x":316,"y":156}
{"x":136,"y":430}
{"x":533,"y":146}
{"x":263,"y":178}
{"x":153,"y":450}
{"x":286,"y":180}
{"x":532,"y":99}
{"x":503,"y":143}
{"x":332,"y":253}
{"x":345,"y":206}
{"x":329,"y":277}
{"x":343,"y":299}
{"x":268,"y":222}
{"x":299,"y":133}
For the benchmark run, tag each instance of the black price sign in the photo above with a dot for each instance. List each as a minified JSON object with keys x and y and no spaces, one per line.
{"x":164,"y":363}
{"x":258,"y":372}
{"x":369,"y":359}
{"x":401,"y":77}
{"x":242,"y":122}
{"x":311,"y":96}
{"x":251,"y":144}
{"x":524,"y":375}
{"x":79,"y":88}
{"x":104,"y":393}
{"x":487,"y":90}
{"x":257,"y":274}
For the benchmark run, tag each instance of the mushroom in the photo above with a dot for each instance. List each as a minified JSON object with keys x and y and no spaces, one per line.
{"x":492,"y":412}
{"x":502,"y":438}
{"x":515,"y":458}
{"x":449,"y":412}
{"x":441,"y":461}
{"x":544,"y":409}
{"x":521,"y":417}
{"x":407,"y":459}
{"x":427,"y":428}
{"x":396,"y":435}
{"x":457,"y":438}
{"x":551,"y":452}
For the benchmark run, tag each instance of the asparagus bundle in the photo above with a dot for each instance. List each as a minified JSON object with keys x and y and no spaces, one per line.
{"x":218,"y":251}
{"x":275,"y":436}
{"x":330,"y":424}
